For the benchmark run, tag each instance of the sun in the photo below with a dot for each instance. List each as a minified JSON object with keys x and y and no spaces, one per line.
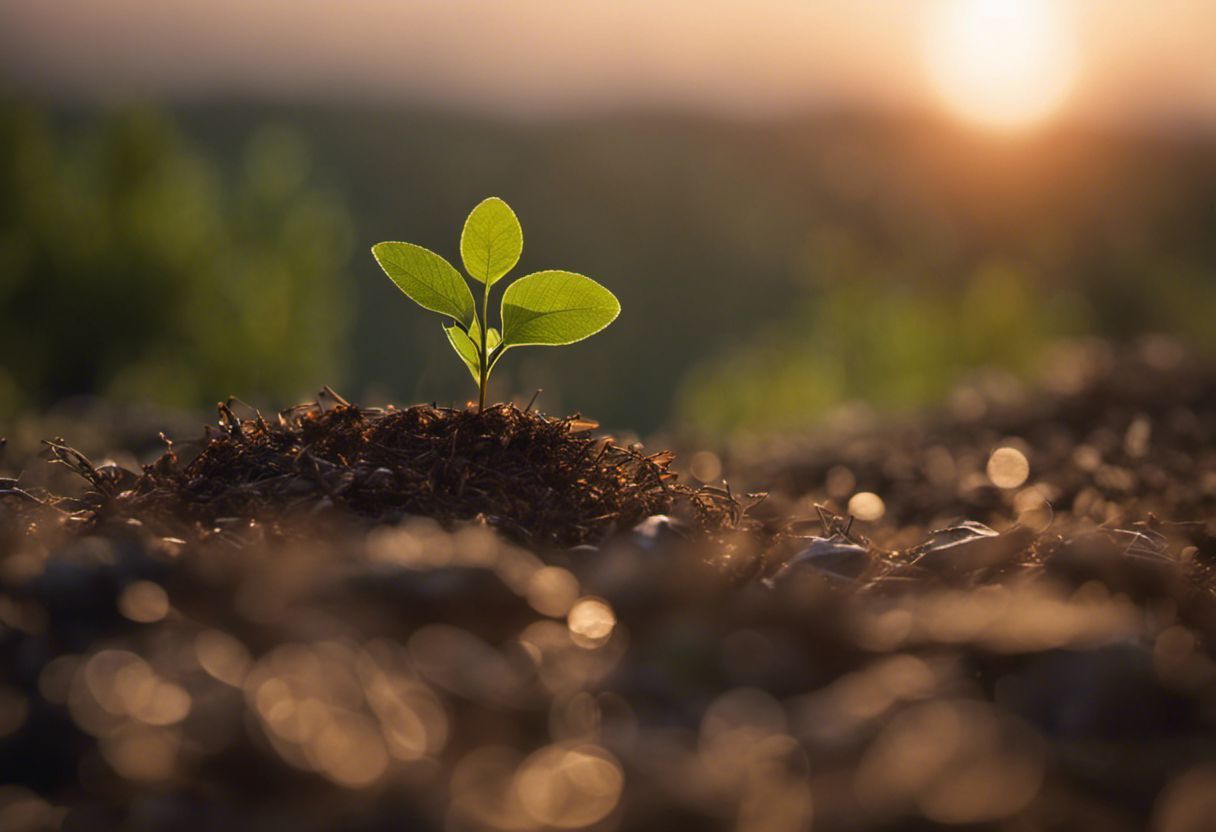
{"x":1005,"y":64}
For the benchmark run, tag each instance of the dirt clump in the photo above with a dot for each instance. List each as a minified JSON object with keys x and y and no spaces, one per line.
{"x":538,"y":479}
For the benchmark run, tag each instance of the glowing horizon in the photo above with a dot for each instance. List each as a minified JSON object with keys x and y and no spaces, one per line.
{"x":1005,"y":64}
{"x":1120,"y":60}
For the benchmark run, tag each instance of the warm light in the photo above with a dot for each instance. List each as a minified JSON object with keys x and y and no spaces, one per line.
{"x":867,"y":506}
{"x":144,"y":601}
{"x":1002,"y":63}
{"x":1008,"y":468}
{"x":591,"y":622}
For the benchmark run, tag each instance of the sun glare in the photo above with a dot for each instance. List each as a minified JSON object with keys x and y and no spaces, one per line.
{"x":1005,"y":64}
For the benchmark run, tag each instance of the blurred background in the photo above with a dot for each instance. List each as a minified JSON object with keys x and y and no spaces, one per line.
{"x":800,"y":205}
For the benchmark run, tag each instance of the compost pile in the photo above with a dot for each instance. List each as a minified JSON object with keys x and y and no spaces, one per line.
{"x":537,"y":479}
{"x":1025,"y":645}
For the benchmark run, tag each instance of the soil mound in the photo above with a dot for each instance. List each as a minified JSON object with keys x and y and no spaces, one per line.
{"x":538,"y":479}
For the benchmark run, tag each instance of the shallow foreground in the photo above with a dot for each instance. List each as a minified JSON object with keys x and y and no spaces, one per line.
{"x":968,"y":657}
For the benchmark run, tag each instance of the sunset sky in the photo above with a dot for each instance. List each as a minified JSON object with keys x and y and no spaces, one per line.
{"x":1003,"y":63}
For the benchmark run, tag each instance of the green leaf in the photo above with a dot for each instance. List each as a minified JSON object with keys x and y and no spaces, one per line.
{"x":465,"y":348}
{"x":554,"y":308}
{"x":491,"y":241}
{"x":427,"y":279}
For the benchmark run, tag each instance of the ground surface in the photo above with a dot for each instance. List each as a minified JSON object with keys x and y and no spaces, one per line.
{"x":430,"y":619}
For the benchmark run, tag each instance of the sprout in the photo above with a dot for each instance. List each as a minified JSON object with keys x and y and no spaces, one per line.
{"x":548,"y":308}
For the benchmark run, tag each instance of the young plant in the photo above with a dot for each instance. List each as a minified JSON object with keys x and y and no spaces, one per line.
{"x":548,"y":308}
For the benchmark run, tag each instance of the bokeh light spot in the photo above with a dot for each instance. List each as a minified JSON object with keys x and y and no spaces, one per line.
{"x":592,"y":620}
{"x":705,"y":466}
{"x":144,"y":601}
{"x":867,"y":506}
{"x":552,"y":591}
{"x":1008,"y":467}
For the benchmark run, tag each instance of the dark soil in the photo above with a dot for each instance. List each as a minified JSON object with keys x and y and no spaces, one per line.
{"x":1120,"y":445}
{"x":1111,"y":436}
{"x":537,"y":479}
{"x":969,"y":659}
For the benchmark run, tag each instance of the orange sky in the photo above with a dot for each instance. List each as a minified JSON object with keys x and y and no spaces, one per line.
{"x":1137,"y":58}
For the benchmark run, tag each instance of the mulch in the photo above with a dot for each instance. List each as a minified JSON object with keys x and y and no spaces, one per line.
{"x":537,"y":479}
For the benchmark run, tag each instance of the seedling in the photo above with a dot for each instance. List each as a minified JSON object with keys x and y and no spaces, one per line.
{"x":548,"y":308}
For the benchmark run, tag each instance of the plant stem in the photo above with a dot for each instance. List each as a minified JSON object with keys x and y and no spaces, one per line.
{"x":484,"y":354}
